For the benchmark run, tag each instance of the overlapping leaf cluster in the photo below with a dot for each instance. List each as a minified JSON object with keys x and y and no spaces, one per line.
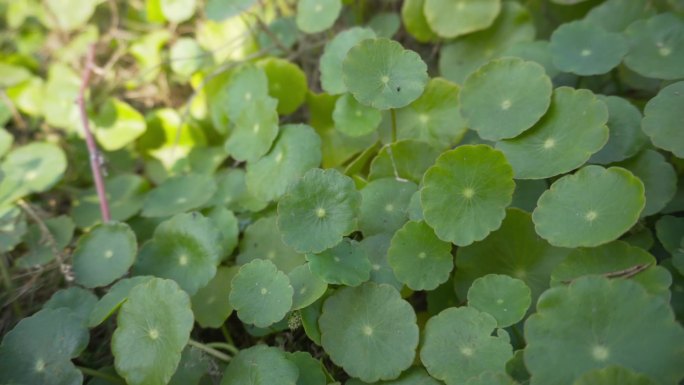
{"x":402,"y":192}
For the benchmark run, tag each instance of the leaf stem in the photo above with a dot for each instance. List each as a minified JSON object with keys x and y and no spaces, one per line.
{"x":97,"y":374}
{"x":95,"y":158}
{"x":222,"y":345}
{"x":393,"y":113}
{"x":209,"y":350}
{"x":7,"y":280}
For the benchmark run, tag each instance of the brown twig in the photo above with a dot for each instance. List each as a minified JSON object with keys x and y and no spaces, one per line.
{"x":95,"y":158}
{"x":624,"y":273}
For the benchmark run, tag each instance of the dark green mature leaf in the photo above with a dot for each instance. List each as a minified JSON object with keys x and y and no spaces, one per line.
{"x":613,"y":375}
{"x":344,"y":264}
{"x":384,"y":205}
{"x":658,"y":176}
{"x":450,"y":19}
{"x":662,"y":119}
{"x":211,"y":305}
{"x":582,"y":326}
{"x":656,"y":47}
{"x":370,"y":331}
{"x":32,"y":168}
{"x":625,"y":137}
{"x":353,"y":118}
{"x":104,"y":254}
{"x":256,"y":127}
{"x":179,"y":194}
{"x":334,"y":53}
{"x":465,"y":194}
{"x":585,"y":49}
{"x":125,"y":195}
{"x":261,"y":365}
{"x":110,"y":302}
{"x":79,"y":301}
{"x":617,"y":15}
{"x":262,"y":240}
{"x":405,"y":159}
{"x":307,"y":286}
{"x":154,"y":326}
{"x":506,"y":299}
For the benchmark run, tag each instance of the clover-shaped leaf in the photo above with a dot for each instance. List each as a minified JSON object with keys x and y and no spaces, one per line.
{"x":656,"y":47}
{"x":563,"y":139}
{"x":581,"y":327}
{"x":334,"y":53}
{"x":317,"y":15}
{"x":585,"y":49}
{"x":592,"y":214}
{"x":514,"y":249}
{"x":30,"y":169}
{"x":179,"y":194}
{"x":383,"y":205}
{"x":261,"y":365}
{"x":110,"y":302}
{"x":260,"y":293}
{"x":625,"y":137}
{"x":306,"y":285}
{"x":104,"y":254}
{"x":210,"y":304}
{"x":662,"y":118}
{"x":185,"y":248}
{"x":459,"y":345}
{"x":39,"y":349}
{"x":418,"y":258}
{"x":353,"y":118}
{"x":344,"y":264}
{"x":465,"y":194}
{"x":370,"y":331}
{"x":318,"y":211}
{"x":256,"y":127}
{"x":154,"y":326}
{"x":505,"y":298}
{"x":381,"y":74}
{"x":505,"y":97}
{"x":450,"y":19}
{"x":296,"y":150}
{"x":262,"y":240}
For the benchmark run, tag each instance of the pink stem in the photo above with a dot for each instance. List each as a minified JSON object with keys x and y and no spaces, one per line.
{"x":90,"y":141}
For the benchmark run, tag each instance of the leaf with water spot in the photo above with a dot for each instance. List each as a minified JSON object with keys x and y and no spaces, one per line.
{"x":505,"y":97}
{"x":370,"y":331}
{"x":210,"y":304}
{"x":261,"y":365}
{"x":584,"y":48}
{"x":572,"y":130}
{"x":178,"y":194}
{"x":344,"y":264}
{"x":153,"y":327}
{"x":465,"y":194}
{"x":318,"y":211}
{"x":262,"y":240}
{"x":450,"y":19}
{"x":104,"y":254}
{"x":383,"y":205}
{"x":418,"y":258}
{"x":185,"y":248}
{"x":459,"y":345}
{"x":582,"y":326}
{"x":663,"y":117}
{"x":39,"y":349}
{"x":260,"y":293}
{"x":381,"y":74}
{"x":656,"y":47}
{"x":505,"y":298}
{"x":592,"y":214}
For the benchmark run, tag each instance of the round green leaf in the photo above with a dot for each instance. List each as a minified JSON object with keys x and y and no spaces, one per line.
{"x":228,"y":225}
{"x":535,"y":51}
{"x":414,"y":376}
{"x":297,"y":150}
{"x":491,"y":378}
{"x":613,"y":375}
{"x":70,"y":14}
{"x":663,"y":117}
{"x":117,"y":124}
{"x":334,"y":53}
{"x":262,"y":240}
{"x":459,"y":345}
{"x":433,"y":117}
{"x":247,"y":85}
{"x":41,"y":252}
{"x":30,"y":169}
{"x":39,"y":349}
{"x":385,"y":24}
{"x":381,"y":74}
{"x":219,"y":10}
{"x":318,"y":211}
{"x":615,"y":259}
{"x":563,"y":139}
{"x":383,"y":205}
{"x":260,"y":365}
{"x":656,"y":47}
{"x":311,"y":370}
{"x":658,"y":176}
{"x":527,"y":192}
{"x":317,"y":15}
{"x":369,"y":331}
{"x":506,"y":299}
{"x":450,"y":19}
{"x":177,"y":11}
{"x":505,"y":97}
{"x":79,"y":301}
{"x":464,"y":55}
{"x":413,"y":18}
{"x":210,"y":304}
{"x":306,"y":285}
{"x":154,"y":326}
{"x":344,"y":264}
{"x":376,"y":247}
{"x":188,"y":57}
{"x":514,"y":249}
{"x":6,"y":140}
{"x":110,"y":302}
{"x":286,"y":83}
{"x":465,"y":194}
{"x":256,"y":127}
{"x":406,"y":159}
{"x":625,"y":135}
{"x":592,"y":213}
{"x":232,"y":193}
{"x":12,"y":227}
{"x":179,"y":194}
{"x":617,"y":15}
{"x":418,"y":258}
{"x":125,"y":195}
{"x":185,"y":248}
{"x":582,"y":326}
{"x":585,"y":49}
{"x":284,"y":29}
{"x":260,"y":293}
{"x":104,"y":254}
{"x":353,"y":118}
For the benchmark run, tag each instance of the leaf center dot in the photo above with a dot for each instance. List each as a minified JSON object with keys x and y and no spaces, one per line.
{"x":549,"y":143}
{"x":385,"y":79}
{"x":422,"y":255}
{"x":183,"y":260}
{"x":256,"y":128}
{"x":664,"y":51}
{"x":585,"y":52}
{"x":591,"y":215}
{"x":40,"y":365}
{"x":506,"y":104}
{"x":367,"y":330}
{"x":466,"y":351}
{"x":389,"y":207}
{"x":320,"y":212}
{"x":468,"y":193}
{"x":600,"y":353}
{"x":31,"y":175}
{"x":153,"y":334}
{"x":264,"y":291}
{"x":108,"y":254}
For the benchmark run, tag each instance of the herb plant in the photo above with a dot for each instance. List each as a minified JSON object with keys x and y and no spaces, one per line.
{"x":312,"y":192}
